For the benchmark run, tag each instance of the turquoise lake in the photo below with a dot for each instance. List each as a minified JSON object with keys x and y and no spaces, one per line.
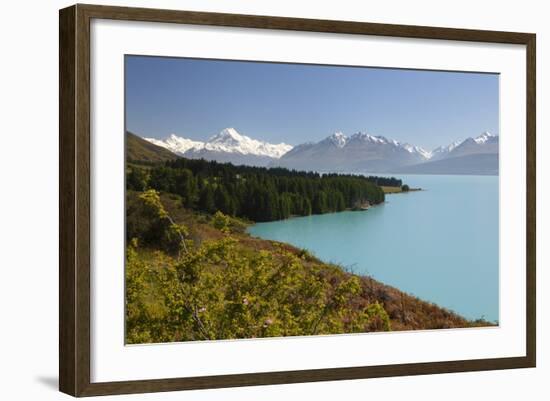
{"x":440,"y":244}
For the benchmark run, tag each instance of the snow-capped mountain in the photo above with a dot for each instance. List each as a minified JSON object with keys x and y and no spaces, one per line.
{"x":363,"y":152}
{"x":442,"y":151}
{"x":226,"y":146}
{"x":359,"y":152}
{"x":485,"y":138}
{"x":229,"y":140}
{"x":417,"y":149}
{"x":176,"y":144}
{"x":477,"y":155}
{"x":338,"y":139}
{"x":484,"y":143}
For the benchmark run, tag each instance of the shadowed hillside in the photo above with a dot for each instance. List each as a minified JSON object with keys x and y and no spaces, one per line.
{"x":138,"y":149}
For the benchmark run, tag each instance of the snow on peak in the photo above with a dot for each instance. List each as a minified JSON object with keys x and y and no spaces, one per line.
{"x":446,"y":149}
{"x":176,"y":144}
{"x":409,"y":148}
{"x":453,"y":145}
{"x":338,"y":139}
{"x":371,"y":138}
{"x":417,"y":149}
{"x":381,"y":140}
{"x":225,"y":135}
{"x":480,"y":140}
{"x":227,"y":140}
{"x":484,"y":137}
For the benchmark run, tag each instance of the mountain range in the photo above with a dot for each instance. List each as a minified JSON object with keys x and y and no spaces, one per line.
{"x":472,"y":156}
{"x":360,"y":152}
{"x":226,"y":146}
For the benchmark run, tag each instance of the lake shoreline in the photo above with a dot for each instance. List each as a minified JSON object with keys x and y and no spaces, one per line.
{"x":376,"y":283}
{"x":363,"y":241}
{"x":360,"y":208}
{"x":399,"y":190}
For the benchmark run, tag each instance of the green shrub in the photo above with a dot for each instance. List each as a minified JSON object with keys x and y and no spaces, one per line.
{"x":221,"y":222}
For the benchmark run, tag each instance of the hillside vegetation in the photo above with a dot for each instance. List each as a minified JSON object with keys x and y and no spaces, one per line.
{"x":138,"y":149}
{"x":193,"y":276}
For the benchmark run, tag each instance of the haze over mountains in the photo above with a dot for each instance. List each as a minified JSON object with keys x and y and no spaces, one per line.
{"x":360,"y":152}
{"x":472,"y":156}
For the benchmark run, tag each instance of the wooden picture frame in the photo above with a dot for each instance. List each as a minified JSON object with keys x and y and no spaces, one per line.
{"x":74,"y":203}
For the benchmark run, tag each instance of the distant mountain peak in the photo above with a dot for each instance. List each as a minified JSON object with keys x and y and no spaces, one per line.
{"x":485,"y":143}
{"x":176,"y":144}
{"x":231,"y":141}
{"x":361,"y":151}
{"x":446,"y":148}
{"x":426,"y":154}
{"x":226,"y":134}
{"x":382,"y":140}
{"x":376,"y":139}
{"x":484,"y":137}
{"x":227,"y":141}
{"x":364,"y":136}
{"x":338,"y":139}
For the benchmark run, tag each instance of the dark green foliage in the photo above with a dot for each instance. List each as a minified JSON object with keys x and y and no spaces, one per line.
{"x":385,"y":181}
{"x":405,"y":188}
{"x":206,"y":200}
{"x":256,"y":193}
{"x":137,"y":179}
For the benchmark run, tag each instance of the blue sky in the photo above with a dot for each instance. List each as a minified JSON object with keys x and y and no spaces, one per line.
{"x":296,"y":103}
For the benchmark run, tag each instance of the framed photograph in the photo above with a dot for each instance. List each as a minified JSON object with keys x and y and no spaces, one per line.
{"x":250,"y":200}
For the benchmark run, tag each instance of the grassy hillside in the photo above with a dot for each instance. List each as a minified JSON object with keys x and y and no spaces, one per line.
{"x":138,"y":149}
{"x":198,"y":276}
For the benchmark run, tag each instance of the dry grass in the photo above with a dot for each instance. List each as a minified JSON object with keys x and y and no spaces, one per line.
{"x":391,"y":190}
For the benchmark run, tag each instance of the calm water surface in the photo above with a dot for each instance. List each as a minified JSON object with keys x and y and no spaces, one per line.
{"x":440,"y":244}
